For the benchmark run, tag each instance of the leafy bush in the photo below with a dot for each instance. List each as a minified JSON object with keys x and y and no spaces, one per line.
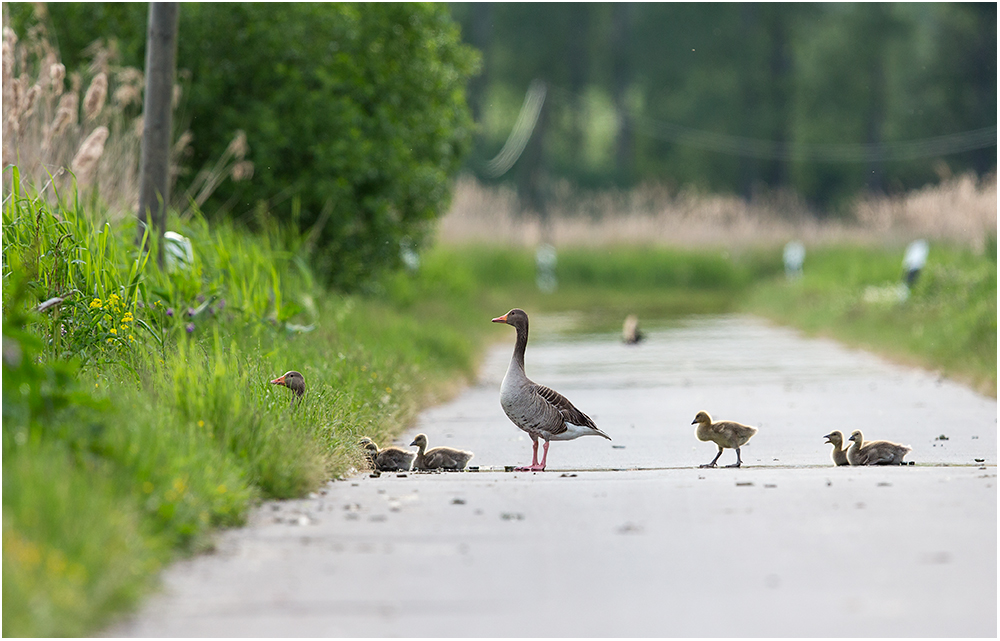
{"x":355,"y":116}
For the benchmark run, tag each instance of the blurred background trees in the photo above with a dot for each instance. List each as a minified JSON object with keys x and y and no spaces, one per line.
{"x":355,"y":115}
{"x":743,"y":98}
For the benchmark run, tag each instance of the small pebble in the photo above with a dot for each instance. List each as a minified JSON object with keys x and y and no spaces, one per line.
{"x":375,"y":475}
{"x":743,"y":483}
{"x":567,"y":476}
{"x":979,"y":460}
{"x":618,"y":447}
{"x":508,"y":468}
{"x":512,"y":516}
{"x":401,"y":475}
{"x":457,"y":501}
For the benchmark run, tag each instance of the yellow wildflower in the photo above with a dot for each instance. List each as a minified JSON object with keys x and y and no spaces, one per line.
{"x":131,"y":338}
{"x":127,"y":318}
{"x":113,"y":330}
{"x":95,"y":304}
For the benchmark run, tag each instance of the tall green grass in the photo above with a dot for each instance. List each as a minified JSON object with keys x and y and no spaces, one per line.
{"x":138,"y":414}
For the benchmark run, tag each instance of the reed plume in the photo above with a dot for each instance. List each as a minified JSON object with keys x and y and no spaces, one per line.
{"x":97,"y":93}
{"x":85,"y":162}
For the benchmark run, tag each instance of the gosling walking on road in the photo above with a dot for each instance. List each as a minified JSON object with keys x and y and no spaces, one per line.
{"x":724,"y":434}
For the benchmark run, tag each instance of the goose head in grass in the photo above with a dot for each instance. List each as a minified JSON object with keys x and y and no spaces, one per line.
{"x":292,"y":380}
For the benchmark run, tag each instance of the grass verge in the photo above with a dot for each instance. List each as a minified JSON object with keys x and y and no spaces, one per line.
{"x":948,"y":322}
{"x":137,"y":410}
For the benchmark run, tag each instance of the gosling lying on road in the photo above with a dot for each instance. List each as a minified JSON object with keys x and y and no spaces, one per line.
{"x":839,"y":454}
{"x":390,"y":459}
{"x":439,"y":458}
{"x":724,"y":434}
{"x":875,"y":452}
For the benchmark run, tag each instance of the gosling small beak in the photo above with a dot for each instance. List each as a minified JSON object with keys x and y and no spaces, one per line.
{"x":694,"y":421}
{"x":500,"y":319}
{"x":413,"y":443}
{"x":279,"y":381}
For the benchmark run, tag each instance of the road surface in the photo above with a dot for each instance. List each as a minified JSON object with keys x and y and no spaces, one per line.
{"x":629,"y":537}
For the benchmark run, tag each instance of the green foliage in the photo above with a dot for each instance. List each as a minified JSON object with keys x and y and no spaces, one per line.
{"x":354,"y":114}
{"x":794,"y":75}
{"x":354,"y":133}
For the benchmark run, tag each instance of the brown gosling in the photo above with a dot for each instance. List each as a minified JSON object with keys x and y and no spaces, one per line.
{"x":839,"y":454}
{"x":724,"y":434}
{"x":439,"y":458}
{"x":864,"y":452}
{"x":389,"y":459}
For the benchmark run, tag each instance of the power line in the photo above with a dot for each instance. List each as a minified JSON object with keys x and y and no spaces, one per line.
{"x":982,"y":138}
{"x":521,"y":133}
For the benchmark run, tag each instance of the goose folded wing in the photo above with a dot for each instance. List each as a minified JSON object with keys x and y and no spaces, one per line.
{"x":567,"y":410}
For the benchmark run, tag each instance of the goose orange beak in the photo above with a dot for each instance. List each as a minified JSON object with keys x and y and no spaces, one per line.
{"x":279,"y":381}
{"x":500,"y":319}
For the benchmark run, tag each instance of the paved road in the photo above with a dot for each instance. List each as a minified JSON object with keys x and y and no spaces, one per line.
{"x":629,"y":537}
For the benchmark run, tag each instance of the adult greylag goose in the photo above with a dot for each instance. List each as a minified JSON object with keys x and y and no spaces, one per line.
{"x":864,"y":452}
{"x":839,"y":454}
{"x":294,"y":381}
{"x":631,"y":334}
{"x":438,"y":458}
{"x":389,"y":459}
{"x":724,"y":434}
{"x":536,"y":409}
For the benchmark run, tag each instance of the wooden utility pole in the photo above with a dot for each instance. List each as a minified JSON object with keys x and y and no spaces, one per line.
{"x":154,"y":170}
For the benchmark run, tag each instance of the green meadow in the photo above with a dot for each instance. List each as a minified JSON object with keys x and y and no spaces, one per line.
{"x":138,"y":417}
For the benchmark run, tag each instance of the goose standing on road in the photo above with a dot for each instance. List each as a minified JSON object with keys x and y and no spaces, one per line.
{"x":724,"y":434}
{"x":864,"y":452}
{"x":536,"y":409}
{"x":839,"y":454}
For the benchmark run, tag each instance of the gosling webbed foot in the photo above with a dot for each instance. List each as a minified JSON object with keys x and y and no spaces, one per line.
{"x":712,"y":464}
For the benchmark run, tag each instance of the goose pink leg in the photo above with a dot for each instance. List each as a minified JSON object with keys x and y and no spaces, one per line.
{"x":535,"y":467}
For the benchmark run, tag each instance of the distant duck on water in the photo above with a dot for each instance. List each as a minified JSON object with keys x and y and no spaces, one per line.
{"x":631,"y":334}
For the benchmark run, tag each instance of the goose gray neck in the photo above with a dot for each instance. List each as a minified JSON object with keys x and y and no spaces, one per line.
{"x":520,"y":345}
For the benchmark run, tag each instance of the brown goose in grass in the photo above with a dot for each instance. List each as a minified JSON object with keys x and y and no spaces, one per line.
{"x":389,"y":459}
{"x":864,"y":452}
{"x":724,"y":434}
{"x":294,"y":381}
{"x":839,"y":454}
{"x":438,"y":458}
{"x":536,"y":409}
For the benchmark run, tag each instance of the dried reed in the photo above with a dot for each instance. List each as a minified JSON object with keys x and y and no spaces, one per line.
{"x":84,"y":164}
{"x":959,"y":210}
